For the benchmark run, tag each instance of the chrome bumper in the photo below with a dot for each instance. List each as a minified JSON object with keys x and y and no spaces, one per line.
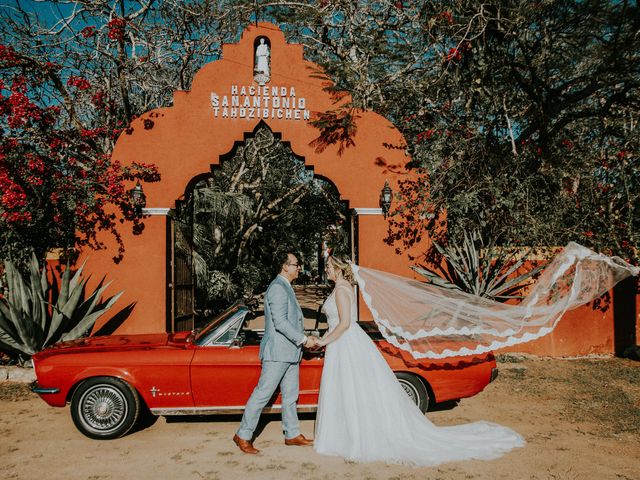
{"x":225,"y":410}
{"x":494,"y":374}
{"x":38,"y":389}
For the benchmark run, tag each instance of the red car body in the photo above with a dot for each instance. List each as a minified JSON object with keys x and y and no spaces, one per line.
{"x":183,"y":374}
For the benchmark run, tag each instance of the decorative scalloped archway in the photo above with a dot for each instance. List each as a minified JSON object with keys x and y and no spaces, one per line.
{"x":200,"y":265}
{"x":228,"y":99}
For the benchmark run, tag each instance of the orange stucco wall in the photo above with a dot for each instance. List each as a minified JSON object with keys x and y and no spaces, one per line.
{"x":141,"y":276}
{"x":373,"y":228}
{"x":582,"y":331}
{"x":186,"y":139}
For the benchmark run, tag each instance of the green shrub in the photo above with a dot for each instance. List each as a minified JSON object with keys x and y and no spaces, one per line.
{"x":35,"y":313}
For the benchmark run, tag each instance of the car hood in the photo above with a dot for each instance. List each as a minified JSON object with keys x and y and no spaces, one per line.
{"x":106,"y":343}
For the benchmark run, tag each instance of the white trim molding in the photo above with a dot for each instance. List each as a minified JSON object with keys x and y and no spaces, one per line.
{"x":225,"y":410}
{"x":163,"y":212}
{"x":368,"y":211}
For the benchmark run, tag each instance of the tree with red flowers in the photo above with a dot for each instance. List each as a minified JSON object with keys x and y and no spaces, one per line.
{"x":59,"y":187}
{"x":72,"y":77}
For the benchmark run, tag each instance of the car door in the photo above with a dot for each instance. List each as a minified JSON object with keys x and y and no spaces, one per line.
{"x":224,"y":376}
{"x":224,"y":373}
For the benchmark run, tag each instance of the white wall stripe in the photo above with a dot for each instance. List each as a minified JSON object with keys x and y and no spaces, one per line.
{"x":156,"y":211}
{"x":368,"y":211}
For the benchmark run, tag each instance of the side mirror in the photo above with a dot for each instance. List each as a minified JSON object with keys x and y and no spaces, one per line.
{"x":237,"y":342}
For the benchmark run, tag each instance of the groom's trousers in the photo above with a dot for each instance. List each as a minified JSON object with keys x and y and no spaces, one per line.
{"x":285,"y":374}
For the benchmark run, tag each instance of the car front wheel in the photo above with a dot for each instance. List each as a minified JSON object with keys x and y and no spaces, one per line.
{"x":103,"y":408}
{"x":416,"y":390}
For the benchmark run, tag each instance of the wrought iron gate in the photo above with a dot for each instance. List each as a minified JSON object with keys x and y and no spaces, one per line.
{"x":181,"y":286}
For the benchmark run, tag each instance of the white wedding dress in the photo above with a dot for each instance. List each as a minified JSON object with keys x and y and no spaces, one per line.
{"x":364,"y":414}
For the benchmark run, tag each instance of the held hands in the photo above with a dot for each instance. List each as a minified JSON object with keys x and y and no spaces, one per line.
{"x":313,"y":343}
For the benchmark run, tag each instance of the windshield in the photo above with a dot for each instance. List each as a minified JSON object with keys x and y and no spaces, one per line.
{"x":217,"y":321}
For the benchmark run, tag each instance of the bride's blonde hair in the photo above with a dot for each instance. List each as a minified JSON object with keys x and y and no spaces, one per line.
{"x":341,"y":262}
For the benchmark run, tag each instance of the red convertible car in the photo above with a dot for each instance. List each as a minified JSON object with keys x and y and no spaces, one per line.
{"x":110,"y":380}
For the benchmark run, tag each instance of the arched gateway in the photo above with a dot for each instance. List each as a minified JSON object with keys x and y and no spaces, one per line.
{"x":262,"y":78}
{"x":228,"y":100}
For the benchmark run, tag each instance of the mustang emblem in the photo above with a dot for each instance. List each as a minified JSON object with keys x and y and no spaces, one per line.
{"x":155,"y":391}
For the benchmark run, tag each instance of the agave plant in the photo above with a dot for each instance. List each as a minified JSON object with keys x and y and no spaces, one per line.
{"x":29,"y":323}
{"x":481,"y":270}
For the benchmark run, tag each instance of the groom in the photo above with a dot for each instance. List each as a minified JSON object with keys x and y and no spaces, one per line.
{"x":280,"y":353}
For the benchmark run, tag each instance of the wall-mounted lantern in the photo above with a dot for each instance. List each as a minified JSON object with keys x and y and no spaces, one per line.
{"x":138,"y":199}
{"x":386,"y":196}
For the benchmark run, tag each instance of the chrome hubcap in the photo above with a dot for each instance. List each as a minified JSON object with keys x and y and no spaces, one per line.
{"x":103,"y":408}
{"x":411,"y":391}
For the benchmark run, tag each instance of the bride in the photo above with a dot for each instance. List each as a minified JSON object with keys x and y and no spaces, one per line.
{"x":363,"y":412}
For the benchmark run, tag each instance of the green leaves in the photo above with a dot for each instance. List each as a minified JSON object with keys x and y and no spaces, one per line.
{"x":522,"y":116}
{"x":483,"y":271}
{"x":29,"y":323}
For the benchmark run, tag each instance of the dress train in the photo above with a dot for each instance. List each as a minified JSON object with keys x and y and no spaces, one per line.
{"x":365,"y":415}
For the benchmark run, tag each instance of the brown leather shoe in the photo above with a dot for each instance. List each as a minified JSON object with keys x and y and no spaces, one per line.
{"x":299,"y":441}
{"x":245,"y":445}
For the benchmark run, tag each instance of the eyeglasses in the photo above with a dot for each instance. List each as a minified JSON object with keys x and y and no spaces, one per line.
{"x":294,"y":265}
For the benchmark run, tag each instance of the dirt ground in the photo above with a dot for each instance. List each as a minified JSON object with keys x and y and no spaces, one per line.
{"x":581,"y":420}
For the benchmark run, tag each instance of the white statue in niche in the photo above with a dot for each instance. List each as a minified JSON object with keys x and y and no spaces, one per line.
{"x":261,"y":71}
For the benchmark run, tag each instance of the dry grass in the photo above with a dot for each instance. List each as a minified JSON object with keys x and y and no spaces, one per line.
{"x":15,"y":392}
{"x":602,"y":391}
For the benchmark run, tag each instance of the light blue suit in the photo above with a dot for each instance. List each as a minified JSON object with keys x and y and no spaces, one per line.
{"x":280,"y":352}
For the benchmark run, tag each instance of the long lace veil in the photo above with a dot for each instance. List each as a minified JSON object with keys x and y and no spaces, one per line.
{"x":433,"y":322}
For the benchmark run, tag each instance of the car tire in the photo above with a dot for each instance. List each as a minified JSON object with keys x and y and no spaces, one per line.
{"x":104,"y":408}
{"x":415,"y":389}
